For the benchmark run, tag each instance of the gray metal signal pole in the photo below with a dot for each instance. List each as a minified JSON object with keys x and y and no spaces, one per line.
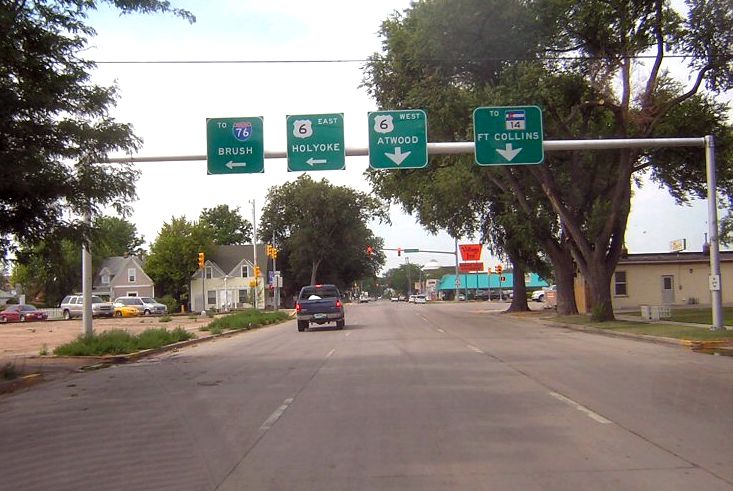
{"x":448,"y":148}
{"x":86,"y":279}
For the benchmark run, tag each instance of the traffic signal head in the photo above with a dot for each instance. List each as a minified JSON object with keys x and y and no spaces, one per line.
{"x":269,"y":250}
{"x":257,"y":271}
{"x":202,"y":260}
{"x":399,"y":251}
{"x":370,"y":250}
{"x":274,"y":253}
{"x":499,"y":268}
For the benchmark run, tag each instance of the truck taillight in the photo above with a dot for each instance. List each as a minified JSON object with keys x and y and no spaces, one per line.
{"x":297,"y":307}
{"x":338,"y":304}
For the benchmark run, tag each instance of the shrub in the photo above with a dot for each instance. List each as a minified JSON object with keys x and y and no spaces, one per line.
{"x":246,"y":319}
{"x":117,"y":342}
{"x":171,"y":303}
{"x":9,"y":372}
{"x":165,"y":318}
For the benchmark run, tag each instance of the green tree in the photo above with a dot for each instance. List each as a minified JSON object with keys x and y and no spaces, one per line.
{"x":50,"y":269}
{"x":403,"y":279}
{"x":228,"y":226}
{"x":174,"y":255}
{"x":321,"y":231}
{"x":590,"y":94}
{"x":54,"y":123}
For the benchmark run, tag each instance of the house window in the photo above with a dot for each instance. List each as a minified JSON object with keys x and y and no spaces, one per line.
{"x":242,"y":296}
{"x":131,"y":294}
{"x":209,"y":272}
{"x":105,"y":279}
{"x":131,"y":275}
{"x":211,"y":297}
{"x":620,"y":284}
{"x":245,"y":271}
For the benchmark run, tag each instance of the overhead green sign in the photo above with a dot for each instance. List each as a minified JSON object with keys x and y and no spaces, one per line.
{"x":508,"y":135}
{"x":398,"y":139}
{"x":316,"y":142}
{"x":235,"y":145}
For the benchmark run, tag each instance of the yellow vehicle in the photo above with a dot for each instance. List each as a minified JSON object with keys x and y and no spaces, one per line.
{"x":126,"y":311}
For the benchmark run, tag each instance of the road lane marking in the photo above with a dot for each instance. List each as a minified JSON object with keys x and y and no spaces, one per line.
{"x":441,"y":331}
{"x":276,"y":415}
{"x":474,"y":348}
{"x":330,"y":353}
{"x":591,"y":414}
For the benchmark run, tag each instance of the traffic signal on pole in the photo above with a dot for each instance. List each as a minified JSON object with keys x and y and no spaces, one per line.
{"x":370,"y":250}
{"x":202,"y":260}
{"x":274,"y":253}
{"x":399,"y":251}
{"x":269,"y":250}
{"x":257,"y":271}
{"x":499,"y":268}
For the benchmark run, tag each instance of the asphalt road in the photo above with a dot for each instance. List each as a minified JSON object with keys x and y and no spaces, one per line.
{"x":406,"y":397}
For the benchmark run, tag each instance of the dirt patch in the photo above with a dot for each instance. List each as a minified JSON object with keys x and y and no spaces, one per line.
{"x":20,"y":340}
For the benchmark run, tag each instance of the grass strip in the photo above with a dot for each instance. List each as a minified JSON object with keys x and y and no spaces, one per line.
{"x":650,"y":329}
{"x":120,"y":342}
{"x":246,"y":319}
{"x":695,"y":315}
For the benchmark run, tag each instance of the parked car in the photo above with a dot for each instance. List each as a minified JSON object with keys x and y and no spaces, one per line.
{"x":538,"y":296}
{"x":421,"y":299}
{"x":22,"y":313}
{"x":73,"y":306}
{"x":144,"y":305}
{"x":394,"y":299}
{"x":126,"y":311}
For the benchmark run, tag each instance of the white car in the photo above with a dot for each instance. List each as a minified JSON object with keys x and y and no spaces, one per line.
{"x":538,"y":296}
{"x":420,"y":299}
{"x":394,"y":299}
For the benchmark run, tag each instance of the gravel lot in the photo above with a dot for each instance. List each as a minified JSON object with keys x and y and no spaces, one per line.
{"x":20,"y":340}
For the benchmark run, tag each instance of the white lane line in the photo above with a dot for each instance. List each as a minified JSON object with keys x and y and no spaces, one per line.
{"x":441,"y":331}
{"x":474,"y":348}
{"x":593,"y":415}
{"x":276,"y":415}
{"x":330,"y":353}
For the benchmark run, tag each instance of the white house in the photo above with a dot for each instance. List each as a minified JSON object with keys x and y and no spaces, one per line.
{"x":228,"y":276}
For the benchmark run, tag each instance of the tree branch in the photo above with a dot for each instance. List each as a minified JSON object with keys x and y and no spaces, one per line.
{"x":654,"y":75}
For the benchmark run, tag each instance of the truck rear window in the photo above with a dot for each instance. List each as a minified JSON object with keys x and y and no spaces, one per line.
{"x":319,"y":291}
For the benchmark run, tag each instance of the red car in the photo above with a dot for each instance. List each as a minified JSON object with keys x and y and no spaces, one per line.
{"x":22,"y":313}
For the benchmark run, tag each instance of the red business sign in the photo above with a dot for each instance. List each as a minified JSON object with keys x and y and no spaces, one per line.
{"x":470,"y":267}
{"x":470,"y":252}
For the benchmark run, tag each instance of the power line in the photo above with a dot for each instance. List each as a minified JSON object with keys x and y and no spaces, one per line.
{"x":363,"y":60}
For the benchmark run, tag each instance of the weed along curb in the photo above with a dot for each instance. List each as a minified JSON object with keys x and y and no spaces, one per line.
{"x":103,"y":361}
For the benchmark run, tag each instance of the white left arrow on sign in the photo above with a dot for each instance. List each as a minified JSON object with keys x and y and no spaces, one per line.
{"x":232,"y":164}
{"x":397,"y":157}
{"x":311,"y":161}
{"x":508,"y":152}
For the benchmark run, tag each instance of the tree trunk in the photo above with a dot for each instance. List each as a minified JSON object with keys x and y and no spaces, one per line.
{"x":314,"y":270}
{"x":599,"y":284}
{"x":564,"y":267}
{"x":519,"y":288}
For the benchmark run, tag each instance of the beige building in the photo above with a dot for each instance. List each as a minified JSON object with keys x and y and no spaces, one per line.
{"x":673,"y":278}
{"x":228,"y":279}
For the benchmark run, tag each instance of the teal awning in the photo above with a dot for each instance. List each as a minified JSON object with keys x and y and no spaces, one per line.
{"x":484,"y":281}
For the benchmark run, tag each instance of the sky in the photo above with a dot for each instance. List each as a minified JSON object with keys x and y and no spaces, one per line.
{"x":168,"y":104}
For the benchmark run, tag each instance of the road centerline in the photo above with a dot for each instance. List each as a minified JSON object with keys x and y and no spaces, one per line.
{"x":588,"y":412}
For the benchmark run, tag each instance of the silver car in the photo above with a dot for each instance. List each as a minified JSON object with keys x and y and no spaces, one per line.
{"x":145,"y":305}
{"x":73,"y":306}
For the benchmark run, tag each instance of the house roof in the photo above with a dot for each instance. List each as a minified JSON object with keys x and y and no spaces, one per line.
{"x":228,"y":256}
{"x":115,"y":263}
{"x":672,"y":257}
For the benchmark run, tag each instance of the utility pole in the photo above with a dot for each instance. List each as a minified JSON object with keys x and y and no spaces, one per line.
{"x":86,"y":278}
{"x":254,"y":248}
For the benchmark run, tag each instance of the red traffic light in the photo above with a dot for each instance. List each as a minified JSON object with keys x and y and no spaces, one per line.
{"x":399,"y":251}
{"x":370,"y":250}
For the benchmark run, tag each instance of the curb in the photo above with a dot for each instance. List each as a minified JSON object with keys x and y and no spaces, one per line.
{"x":679,"y":343}
{"x":20,"y":383}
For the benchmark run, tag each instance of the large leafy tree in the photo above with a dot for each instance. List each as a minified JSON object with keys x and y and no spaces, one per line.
{"x":322,"y":231}
{"x":50,"y":269}
{"x":227,"y":225}
{"x":591,"y":93}
{"x":174,"y":254}
{"x":55,"y":129}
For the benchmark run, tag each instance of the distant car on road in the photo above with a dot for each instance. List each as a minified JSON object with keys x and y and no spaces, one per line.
{"x":421,"y":299}
{"x":394,"y":299}
{"x":22,"y":313}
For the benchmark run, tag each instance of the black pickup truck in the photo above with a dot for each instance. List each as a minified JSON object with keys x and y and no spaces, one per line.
{"x":319,"y":304}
